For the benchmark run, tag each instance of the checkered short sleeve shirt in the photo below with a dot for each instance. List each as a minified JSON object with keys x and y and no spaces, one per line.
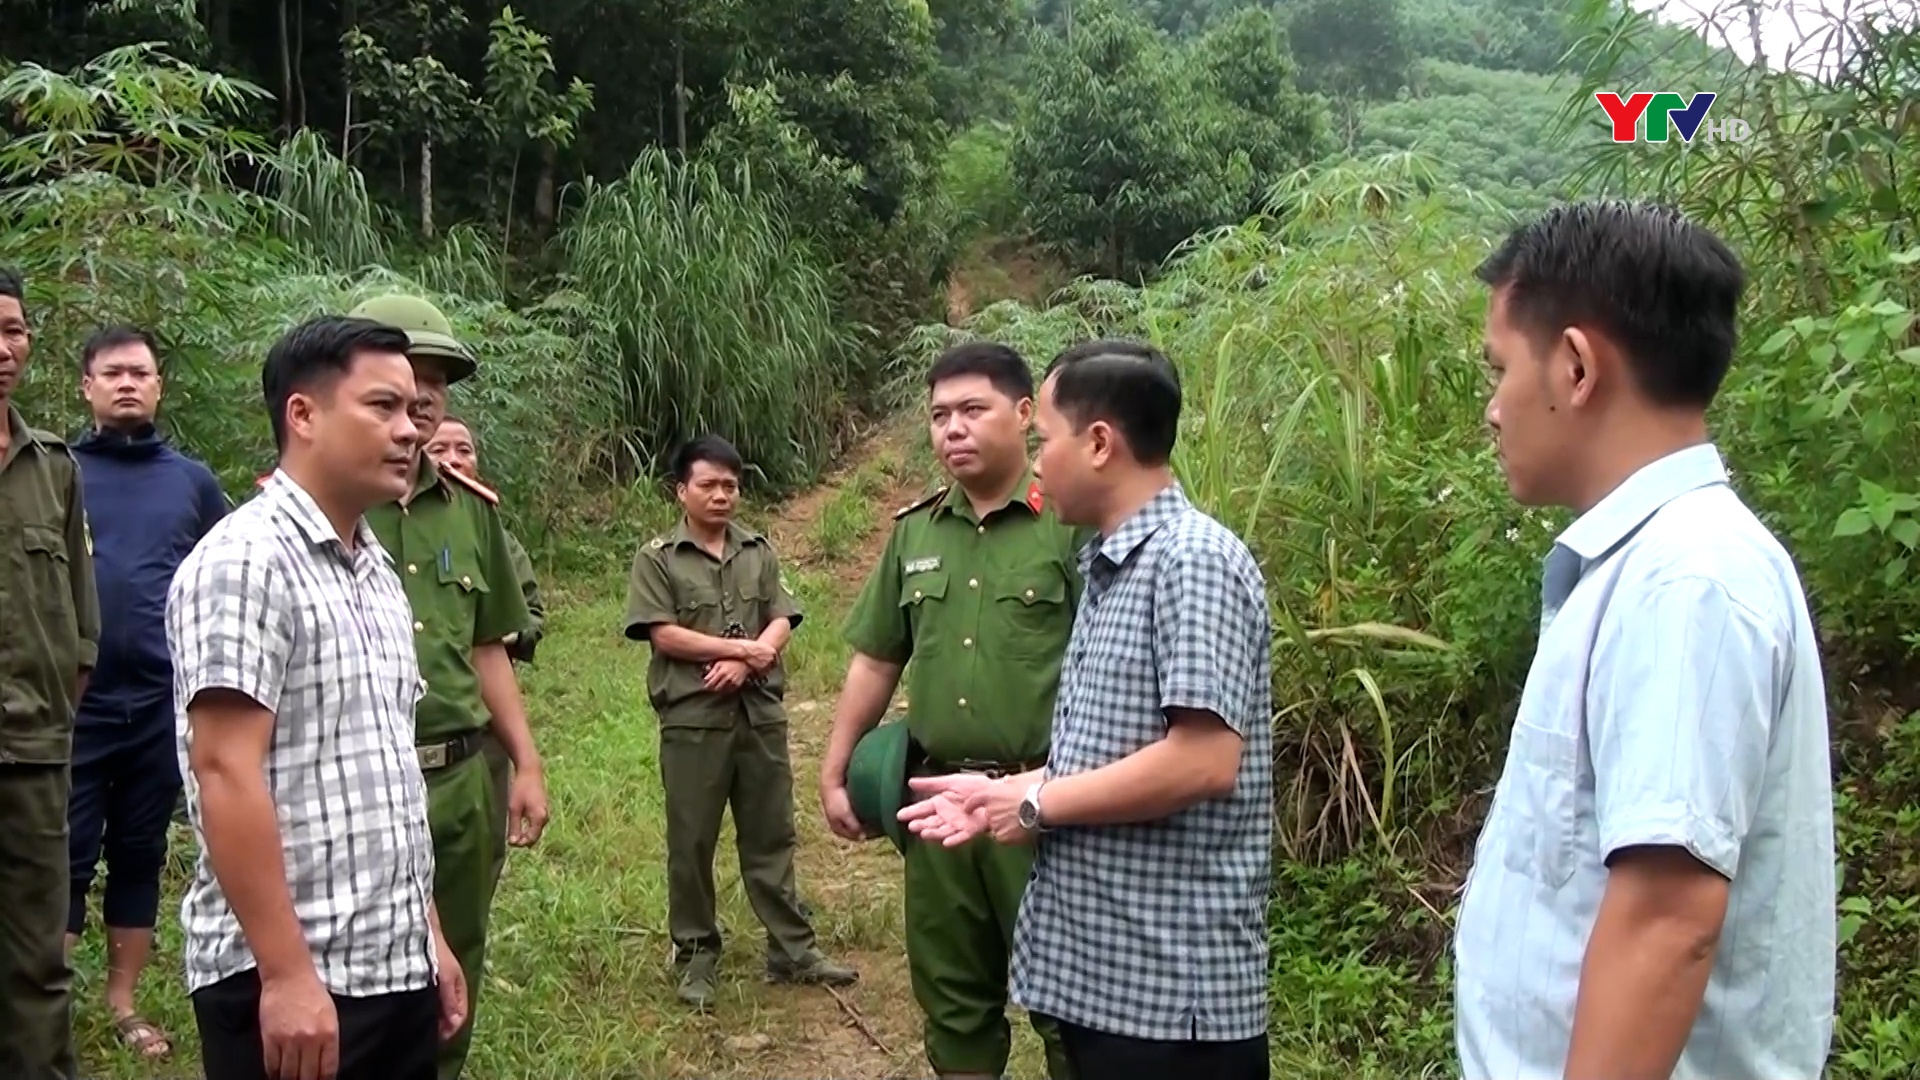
{"x":1157,"y":930}
{"x":272,"y":605}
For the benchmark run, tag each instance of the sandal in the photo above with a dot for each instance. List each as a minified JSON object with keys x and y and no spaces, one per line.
{"x":143,"y":1035}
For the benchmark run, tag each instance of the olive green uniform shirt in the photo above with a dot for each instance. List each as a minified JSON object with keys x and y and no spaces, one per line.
{"x":738,"y":595}
{"x":983,"y":607}
{"x":49,"y":612}
{"x":450,"y":550}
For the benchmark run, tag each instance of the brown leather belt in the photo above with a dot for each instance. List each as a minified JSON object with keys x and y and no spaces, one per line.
{"x":449,"y":752}
{"x":993,"y":770}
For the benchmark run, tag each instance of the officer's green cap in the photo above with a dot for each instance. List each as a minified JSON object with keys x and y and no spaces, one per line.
{"x":877,"y":780}
{"x":428,"y":331}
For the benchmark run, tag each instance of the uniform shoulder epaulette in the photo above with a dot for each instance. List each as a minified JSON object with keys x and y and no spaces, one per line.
{"x":468,"y":482}
{"x":659,"y":542}
{"x":938,"y":494}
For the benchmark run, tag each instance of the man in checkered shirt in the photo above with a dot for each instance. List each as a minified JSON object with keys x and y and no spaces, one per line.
{"x":1143,"y":932}
{"x":312,"y":946}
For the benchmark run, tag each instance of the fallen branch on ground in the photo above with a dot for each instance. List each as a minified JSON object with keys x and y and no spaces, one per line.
{"x":859,"y":1021}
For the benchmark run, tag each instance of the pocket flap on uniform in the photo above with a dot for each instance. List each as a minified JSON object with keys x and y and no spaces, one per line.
{"x":40,"y":540}
{"x":926,"y":585}
{"x":465,"y":575}
{"x":1039,"y":589}
{"x":695,"y":595}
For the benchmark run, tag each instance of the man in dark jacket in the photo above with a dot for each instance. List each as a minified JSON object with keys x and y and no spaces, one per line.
{"x":149,"y":505}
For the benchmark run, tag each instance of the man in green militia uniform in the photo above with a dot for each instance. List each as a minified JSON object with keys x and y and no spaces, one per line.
{"x":448,"y":545}
{"x":710,"y":599}
{"x":978,"y":586}
{"x":49,"y":639}
{"x":454,"y":446}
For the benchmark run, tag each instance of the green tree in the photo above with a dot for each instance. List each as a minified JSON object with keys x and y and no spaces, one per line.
{"x":1351,"y":50}
{"x":1129,"y":144}
{"x":1243,"y":63}
{"x":420,"y":100}
{"x":1104,"y":157}
{"x":522,"y":111}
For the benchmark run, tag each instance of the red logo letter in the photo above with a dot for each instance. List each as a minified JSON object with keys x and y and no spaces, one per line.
{"x":1624,"y":114}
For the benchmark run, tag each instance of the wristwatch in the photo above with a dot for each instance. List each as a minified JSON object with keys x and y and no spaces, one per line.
{"x":1029,"y":813}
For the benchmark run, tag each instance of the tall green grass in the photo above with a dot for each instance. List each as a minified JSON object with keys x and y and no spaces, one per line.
{"x":713,"y":313}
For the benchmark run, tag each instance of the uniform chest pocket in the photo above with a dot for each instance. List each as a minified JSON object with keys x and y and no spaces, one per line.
{"x":694,"y":595}
{"x":753,"y":593}
{"x":1544,"y":786}
{"x":463,"y":575}
{"x":1030,"y":613}
{"x":923,"y":597}
{"x":698,"y":603}
{"x":929,"y":587}
{"x":48,"y":564}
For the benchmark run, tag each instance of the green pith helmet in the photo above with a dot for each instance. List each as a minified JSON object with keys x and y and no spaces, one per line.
{"x":877,"y":780}
{"x":428,"y":331}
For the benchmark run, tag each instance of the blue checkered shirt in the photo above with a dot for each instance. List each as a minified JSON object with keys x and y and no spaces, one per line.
{"x":1157,"y":930}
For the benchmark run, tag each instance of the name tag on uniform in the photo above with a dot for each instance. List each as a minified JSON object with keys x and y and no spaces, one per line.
{"x":921,"y":566}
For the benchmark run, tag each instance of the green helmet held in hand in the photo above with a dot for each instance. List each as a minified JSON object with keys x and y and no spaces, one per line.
{"x":428,"y":331}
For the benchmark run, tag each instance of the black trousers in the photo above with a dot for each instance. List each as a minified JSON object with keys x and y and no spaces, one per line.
{"x":388,"y":1037}
{"x":126,"y":781}
{"x":1095,"y":1055}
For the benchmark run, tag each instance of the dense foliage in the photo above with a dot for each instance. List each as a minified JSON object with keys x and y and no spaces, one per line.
{"x":660,"y":218}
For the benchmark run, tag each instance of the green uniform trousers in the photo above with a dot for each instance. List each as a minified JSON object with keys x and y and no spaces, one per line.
{"x":703,"y":771}
{"x":961,"y":904}
{"x":465,"y":818}
{"x":501,"y":768}
{"x":36,"y":1019}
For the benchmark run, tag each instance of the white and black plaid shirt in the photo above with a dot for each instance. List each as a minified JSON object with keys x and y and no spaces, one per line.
{"x":1157,"y":930}
{"x":272,"y":605}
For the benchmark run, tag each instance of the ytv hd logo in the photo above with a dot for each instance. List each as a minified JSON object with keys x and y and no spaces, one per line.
{"x":1669,"y":112}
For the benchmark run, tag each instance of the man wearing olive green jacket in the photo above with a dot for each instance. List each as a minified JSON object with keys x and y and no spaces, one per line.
{"x":450,"y":549}
{"x":455,"y":447}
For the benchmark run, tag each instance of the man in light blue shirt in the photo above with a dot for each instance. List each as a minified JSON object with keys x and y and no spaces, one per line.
{"x":1653,"y":894}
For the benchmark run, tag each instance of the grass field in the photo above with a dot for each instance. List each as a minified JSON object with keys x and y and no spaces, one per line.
{"x":579,"y":983}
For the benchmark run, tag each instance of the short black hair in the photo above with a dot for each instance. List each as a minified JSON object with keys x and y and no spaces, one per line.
{"x":1128,"y":384}
{"x":1662,"y":288}
{"x":319,"y":352}
{"x":11,"y":285}
{"x":999,"y":364}
{"x":114,"y":337}
{"x":709,"y":448}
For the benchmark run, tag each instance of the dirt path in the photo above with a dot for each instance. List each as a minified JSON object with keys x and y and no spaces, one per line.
{"x":871,"y":1030}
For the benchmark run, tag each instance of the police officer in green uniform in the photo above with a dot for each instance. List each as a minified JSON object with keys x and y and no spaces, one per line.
{"x":710,"y":599}
{"x":978,"y":587}
{"x":49,"y":639}
{"x":448,"y":545}
{"x":454,"y":446}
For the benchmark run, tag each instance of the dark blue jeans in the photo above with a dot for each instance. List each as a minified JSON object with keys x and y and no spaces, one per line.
{"x":125,"y":780}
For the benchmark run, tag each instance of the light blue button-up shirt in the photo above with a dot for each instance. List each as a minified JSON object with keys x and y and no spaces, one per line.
{"x":1676,"y":699}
